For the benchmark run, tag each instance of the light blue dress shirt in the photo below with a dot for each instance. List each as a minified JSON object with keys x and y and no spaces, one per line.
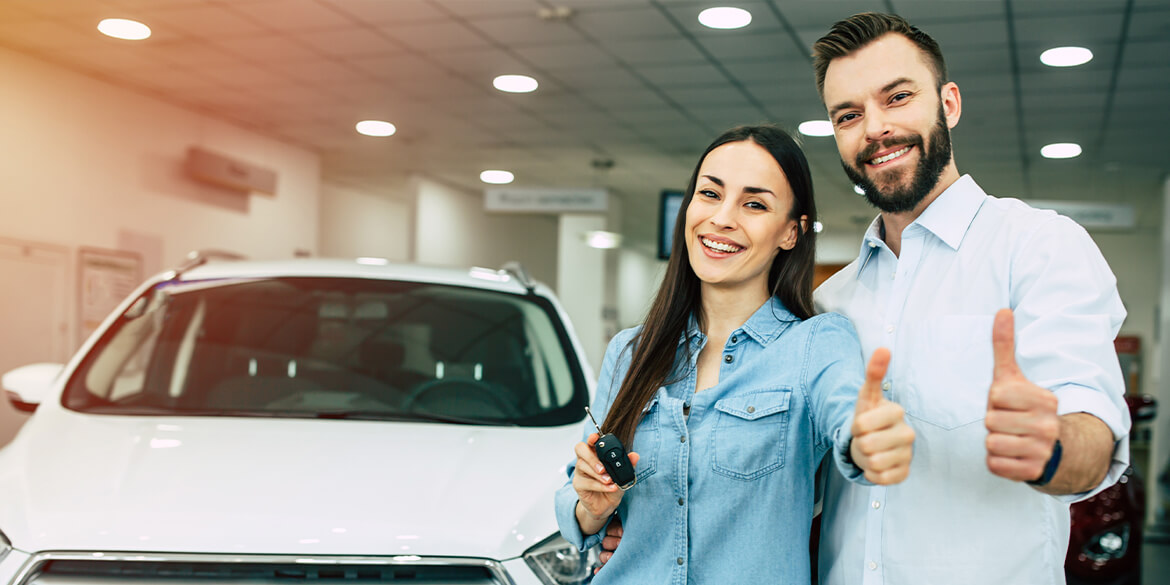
{"x":725,"y":495}
{"x":967,"y":256}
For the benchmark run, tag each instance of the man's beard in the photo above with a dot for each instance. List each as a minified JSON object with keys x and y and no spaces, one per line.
{"x":931,"y":164}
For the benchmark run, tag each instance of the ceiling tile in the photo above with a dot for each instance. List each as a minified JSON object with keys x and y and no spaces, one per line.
{"x":662,"y":51}
{"x":292,"y":15}
{"x":822,"y":15}
{"x":565,"y":56}
{"x":477,"y":9}
{"x":771,"y":46}
{"x":1150,"y":24}
{"x":602,"y":78}
{"x":437,"y":36}
{"x":528,"y":30}
{"x":626,"y":22}
{"x":319,"y":71}
{"x":206,"y":21}
{"x":381,"y":12}
{"x":266,"y":47}
{"x":348,"y":41}
{"x":683,"y":75}
{"x":764,"y":20}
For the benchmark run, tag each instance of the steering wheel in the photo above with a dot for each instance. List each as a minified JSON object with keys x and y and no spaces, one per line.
{"x":464,"y":398}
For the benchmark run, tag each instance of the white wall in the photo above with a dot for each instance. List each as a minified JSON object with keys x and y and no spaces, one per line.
{"x":357,"y":223}
{"x":83,"y":162}
{"x":452,"y":229}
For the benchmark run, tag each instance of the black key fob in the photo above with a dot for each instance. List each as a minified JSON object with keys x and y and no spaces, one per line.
{"x":613,"y":456}
{"x":617,"y":464}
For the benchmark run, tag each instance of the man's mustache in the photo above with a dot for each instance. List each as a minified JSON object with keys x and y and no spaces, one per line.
{"x":871,"y":150}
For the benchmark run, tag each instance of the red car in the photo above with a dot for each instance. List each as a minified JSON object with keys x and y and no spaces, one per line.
{"x":1105,"y":545}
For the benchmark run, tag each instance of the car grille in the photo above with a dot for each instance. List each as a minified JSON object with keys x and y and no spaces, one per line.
{"x":75,"y":568}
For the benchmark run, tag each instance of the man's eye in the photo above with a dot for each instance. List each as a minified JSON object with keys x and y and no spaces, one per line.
{"x":900,"y":96}
{"x":846,"y":118}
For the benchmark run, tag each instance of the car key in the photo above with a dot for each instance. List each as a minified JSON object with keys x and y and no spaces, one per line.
{"x":613,"y":456}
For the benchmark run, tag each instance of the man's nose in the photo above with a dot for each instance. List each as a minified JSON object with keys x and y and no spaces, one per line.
{"x":877,"y":126}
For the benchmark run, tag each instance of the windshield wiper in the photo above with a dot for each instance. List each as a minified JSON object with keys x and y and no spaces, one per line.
{"x":404,"y":417}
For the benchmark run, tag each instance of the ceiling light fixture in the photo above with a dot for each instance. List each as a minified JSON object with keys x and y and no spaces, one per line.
{"x":494,"y":177}
{"x":857,"y":189}
{"x":122,"y":28}
{"x":816,"y":128}
{"x":602,"y":240}
{"x":376,"y":128}
{"x":1061,"y":150}
{"x":725,"y":18}
{"x":1066,"y":56}
{"x":818,"y":227}
{"x":515,"y":83}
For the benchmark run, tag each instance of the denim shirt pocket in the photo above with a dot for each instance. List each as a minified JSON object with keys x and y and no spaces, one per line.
{"x":646,"y":439}
{"x":748,"y":441}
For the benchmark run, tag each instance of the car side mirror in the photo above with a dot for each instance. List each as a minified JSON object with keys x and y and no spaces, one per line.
{"x":28,"y":386}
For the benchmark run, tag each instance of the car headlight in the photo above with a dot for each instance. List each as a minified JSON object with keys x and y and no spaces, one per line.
{"x":5,"y":546}
{"x":556,"y":562}
{"x":1108,"y":545}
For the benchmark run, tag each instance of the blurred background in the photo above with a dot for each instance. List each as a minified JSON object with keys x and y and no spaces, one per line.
{"x":234,"y":127}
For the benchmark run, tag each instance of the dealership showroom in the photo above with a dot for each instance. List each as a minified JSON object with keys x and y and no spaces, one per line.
{"x":320,"y":290}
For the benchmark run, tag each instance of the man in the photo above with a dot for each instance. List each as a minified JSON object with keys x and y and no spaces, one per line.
{"x":1018,"y":412}
{"x":1000,"y":319}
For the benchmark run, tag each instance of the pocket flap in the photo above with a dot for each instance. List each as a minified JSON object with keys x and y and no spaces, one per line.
{"x":754,"y":406}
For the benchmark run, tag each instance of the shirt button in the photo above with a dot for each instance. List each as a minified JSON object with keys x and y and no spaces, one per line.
{"x":872,"y":244}
{"x":681,"y":501}
{"x":886,"y":385}
{"x":734,"y":338}
{"x":889,"y":328}
{"x":680,"y":560}
{"x":727,"y":358}
{"x":876,"y":504}
{"x":751,"y":409}
{"x":682,"y":439}
{"x":872,"y":565}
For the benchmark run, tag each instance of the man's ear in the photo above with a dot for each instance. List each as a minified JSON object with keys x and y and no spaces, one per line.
{"x":952,"y":103}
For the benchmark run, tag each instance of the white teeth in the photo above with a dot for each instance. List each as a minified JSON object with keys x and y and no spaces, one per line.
{"x":719,"y":246}
{"x":893,"y":155}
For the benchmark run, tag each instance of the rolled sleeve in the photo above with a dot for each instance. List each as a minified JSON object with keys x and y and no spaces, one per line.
{"x":1073,"y":399}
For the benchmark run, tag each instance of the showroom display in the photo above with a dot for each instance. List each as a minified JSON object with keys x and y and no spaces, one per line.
{"x":331,"y":421}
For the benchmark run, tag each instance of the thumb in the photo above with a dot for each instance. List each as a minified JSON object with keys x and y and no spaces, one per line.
{"x":634,"y":457}
{"x":870,"y":393}
{"x":1003,"y":344}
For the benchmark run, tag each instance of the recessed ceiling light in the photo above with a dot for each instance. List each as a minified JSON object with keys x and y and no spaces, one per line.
{"x":602,"y":240}
{"x":857,"y":189}
{"x":1066,"y":56}
{"x":515,"y":83}
{"x":1061,"y":150}
{"x":816,"y":128}
{"x":818,"y":227}
{"x":494,"y":177}
{"x":725,"y":17}
{"x":121,"y":28}
{"x":376,"y":128}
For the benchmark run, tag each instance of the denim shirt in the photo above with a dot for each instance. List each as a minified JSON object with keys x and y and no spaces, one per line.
{"x":725,"y":495}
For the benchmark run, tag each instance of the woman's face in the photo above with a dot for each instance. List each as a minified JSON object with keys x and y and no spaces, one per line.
{"x":737,"y":220}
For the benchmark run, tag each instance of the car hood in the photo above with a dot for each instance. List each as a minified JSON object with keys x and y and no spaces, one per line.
{"x":280,"y":486}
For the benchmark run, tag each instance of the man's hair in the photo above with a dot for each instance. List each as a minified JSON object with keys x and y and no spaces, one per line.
{"x":859,"y":30}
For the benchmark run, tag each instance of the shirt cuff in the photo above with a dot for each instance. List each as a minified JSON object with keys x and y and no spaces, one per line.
{"x":842,"y":440}
{"x":1073,"y":399}
{"x":566,"y":504}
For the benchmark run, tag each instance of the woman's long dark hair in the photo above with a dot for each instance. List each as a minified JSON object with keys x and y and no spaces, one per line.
{"x":789,"y":279}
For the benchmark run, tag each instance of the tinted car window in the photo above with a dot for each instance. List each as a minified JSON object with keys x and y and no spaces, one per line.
{"x":334,"y":347}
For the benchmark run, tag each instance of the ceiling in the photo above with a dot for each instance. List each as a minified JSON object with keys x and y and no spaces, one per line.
{"x":636,"y":82}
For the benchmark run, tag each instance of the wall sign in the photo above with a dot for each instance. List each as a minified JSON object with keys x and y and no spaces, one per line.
{"x":544,"y":200}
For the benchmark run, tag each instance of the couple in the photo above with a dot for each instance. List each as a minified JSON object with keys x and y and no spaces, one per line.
{"x":1000,"y":318}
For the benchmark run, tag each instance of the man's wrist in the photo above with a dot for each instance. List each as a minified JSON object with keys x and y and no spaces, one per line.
{"x":1050,"y":467}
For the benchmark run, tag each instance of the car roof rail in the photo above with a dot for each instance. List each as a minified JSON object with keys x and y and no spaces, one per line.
{"x":197,"y":258}
{"x":517,"y":271}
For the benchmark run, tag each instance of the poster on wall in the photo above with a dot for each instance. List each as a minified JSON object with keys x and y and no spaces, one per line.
{"x":105,"y":278}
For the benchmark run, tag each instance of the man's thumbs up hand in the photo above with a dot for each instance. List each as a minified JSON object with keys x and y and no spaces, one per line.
{"x":882,"y":441}
{"x":1022,"y":420}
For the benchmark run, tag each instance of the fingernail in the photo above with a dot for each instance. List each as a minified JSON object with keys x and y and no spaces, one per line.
{"x":600,"y":468}
{"x":607,"y":479}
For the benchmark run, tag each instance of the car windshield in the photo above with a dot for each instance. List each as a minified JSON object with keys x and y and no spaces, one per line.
{"x":334,"y":348}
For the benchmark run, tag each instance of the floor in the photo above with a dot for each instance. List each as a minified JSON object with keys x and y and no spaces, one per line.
{"x":1156,"y":562}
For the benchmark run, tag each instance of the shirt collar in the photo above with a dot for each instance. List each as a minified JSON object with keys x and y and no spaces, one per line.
{"x":764,"y":326}
{"x":947,"y":217}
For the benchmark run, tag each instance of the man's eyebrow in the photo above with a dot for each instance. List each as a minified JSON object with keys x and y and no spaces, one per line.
{"x":885,"y":89}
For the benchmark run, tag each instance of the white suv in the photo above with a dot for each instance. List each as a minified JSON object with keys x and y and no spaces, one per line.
{"x":309,"y":420}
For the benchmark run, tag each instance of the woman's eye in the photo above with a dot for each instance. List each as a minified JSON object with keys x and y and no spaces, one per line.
{"x":709,"y":194}
{"x":757,"y":205}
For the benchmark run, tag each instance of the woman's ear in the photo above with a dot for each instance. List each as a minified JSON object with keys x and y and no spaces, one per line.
{"x":798,"y":228}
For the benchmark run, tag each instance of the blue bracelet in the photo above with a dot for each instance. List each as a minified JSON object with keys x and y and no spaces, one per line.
{"x":1050,"y":467}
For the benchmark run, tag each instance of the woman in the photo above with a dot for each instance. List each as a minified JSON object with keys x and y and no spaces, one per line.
{"x":732,"y":391}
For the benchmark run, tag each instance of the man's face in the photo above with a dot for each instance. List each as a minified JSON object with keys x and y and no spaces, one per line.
{"x":891,"y":125}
